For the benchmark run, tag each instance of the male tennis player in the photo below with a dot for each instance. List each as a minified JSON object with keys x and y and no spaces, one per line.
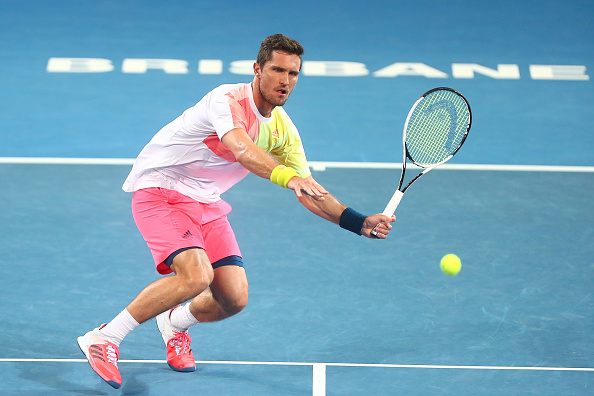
{"x":177,"y":181}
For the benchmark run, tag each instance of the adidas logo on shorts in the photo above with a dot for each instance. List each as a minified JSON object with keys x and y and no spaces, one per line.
{"x":187,"y":234}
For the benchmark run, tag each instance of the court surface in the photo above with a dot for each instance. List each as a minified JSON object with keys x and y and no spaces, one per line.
{"x":330,"y":313}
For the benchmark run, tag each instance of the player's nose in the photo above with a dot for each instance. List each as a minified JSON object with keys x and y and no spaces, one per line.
{"x":284,"y":79}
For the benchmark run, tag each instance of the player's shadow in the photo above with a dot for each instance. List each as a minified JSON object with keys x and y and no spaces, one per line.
{"x":131,"y":384}
{"x":51,"y":376}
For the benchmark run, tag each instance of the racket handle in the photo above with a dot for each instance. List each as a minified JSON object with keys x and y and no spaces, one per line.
{"x":390,"y":208}
{"x":393,"y":204}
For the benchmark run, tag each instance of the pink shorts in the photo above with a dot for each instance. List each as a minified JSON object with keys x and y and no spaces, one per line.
{"x":170,"y":221}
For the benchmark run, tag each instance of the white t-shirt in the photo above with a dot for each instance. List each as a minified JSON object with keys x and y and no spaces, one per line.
{"x":187,"y":155}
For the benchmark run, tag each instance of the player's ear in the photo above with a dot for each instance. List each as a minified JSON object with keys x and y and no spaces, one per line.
{"x":257,"y":69}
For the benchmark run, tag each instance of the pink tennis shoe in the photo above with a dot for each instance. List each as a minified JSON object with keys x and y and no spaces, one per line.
{"x":102,"y":356}
{"x":179,"y":353}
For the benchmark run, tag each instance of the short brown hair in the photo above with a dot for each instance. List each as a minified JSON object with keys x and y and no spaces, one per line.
{"x":278,"y":42}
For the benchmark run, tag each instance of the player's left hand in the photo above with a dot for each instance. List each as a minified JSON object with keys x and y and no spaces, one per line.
{"x":307,"y":186}
{"x":382,"y":222}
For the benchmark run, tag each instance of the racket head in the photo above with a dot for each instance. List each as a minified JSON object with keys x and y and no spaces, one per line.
{"x":436,"y":127}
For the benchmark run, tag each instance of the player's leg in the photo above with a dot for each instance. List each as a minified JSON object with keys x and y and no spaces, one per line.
{"x":192,"y":272}
{"x":165,"y":225}
{"x":101,"y":346}
{"x":167,"y":221}
{"x":227,"y":295}
{"x":193,"y":275}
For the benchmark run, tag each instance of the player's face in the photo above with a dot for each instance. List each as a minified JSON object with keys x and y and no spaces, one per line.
{"x":278,"y":77}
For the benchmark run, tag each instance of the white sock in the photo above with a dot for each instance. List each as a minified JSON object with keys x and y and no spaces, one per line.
{"x":119,"y":327}
{"x":182,"y":319}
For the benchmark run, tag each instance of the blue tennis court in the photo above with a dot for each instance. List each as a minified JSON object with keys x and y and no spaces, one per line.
{"x":87,"y":84}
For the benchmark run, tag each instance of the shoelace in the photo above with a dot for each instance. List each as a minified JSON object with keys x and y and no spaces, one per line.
{"x":181,"y":343}
{"x":111,"y":354}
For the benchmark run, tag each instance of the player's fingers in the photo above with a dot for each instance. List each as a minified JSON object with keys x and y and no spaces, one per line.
{"x":317,"y":185}
{"x":319,"y":198}
{"x":314,"y":195}
{"x":385,"y":223}
{"x":389,"y":220}
{"x":380,"y":234}
{"x":319,"y":194}
{"x":381,"y":220}
{"x":375,"y":231}
{"x":314,"y":191}
{"x":298,"y":192}
{"x":384,"y":228}
{"x":320,"y":189}
{"x":304,"y":188}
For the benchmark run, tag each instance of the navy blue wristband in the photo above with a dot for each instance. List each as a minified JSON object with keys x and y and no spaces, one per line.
{"x":352,"y":220}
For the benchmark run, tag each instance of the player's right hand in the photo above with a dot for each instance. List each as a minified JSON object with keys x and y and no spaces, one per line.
{"x":377,"y":226}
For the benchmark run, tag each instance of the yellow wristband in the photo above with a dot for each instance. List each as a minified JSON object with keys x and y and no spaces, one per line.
{"x":282,"y":174}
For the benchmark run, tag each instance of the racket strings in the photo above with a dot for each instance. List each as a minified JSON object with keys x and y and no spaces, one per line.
{"x":437,"y":127}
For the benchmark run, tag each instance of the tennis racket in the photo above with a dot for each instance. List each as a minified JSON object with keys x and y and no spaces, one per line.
{"x":435,"y":129}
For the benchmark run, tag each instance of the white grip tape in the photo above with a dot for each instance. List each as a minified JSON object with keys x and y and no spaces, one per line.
{"x":393,"y":204}
{"x":390,"y":208}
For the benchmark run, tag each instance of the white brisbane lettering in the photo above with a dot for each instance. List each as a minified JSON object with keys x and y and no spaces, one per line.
{"x":244,"y":67}
{"x":169,"y":66}
{"x":310,"y":68}
{"x":467,"y":70}
{"x":410,"y":69}
{"x":320,"y":69}
{"x":210,"y":66}
{"x":558,"y":72}
{"x":79,"y":65}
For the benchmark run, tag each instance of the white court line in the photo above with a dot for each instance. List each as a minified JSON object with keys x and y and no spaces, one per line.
{"x":371,"y":365}
{"x":318,"y":385}
{"x":66,"y":161}
{"x":315,"y":165}
{"x":319,"y":369}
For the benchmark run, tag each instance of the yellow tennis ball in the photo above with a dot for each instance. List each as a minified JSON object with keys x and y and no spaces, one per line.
{"x":450,"y":264}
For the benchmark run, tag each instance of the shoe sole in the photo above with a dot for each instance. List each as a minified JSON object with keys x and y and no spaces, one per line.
{"x":82,"y":344}
{"x":182,"y":370}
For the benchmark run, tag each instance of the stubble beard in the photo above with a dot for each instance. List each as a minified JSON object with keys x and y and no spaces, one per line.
{"x":270,"y":99}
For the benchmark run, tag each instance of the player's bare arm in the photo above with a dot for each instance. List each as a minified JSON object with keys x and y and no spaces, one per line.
{"x":332,"y":209}
{"x":260,"y":163}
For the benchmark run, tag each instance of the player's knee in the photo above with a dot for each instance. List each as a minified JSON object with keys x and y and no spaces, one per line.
{"x":238,"y":305}
{"x":198,"y":281}
{"x":192,"y":283}
{"x":234,"y":304}
{"x":194,"y":272}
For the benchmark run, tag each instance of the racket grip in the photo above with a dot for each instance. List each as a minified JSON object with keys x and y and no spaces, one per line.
{"x":393,"y":204}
